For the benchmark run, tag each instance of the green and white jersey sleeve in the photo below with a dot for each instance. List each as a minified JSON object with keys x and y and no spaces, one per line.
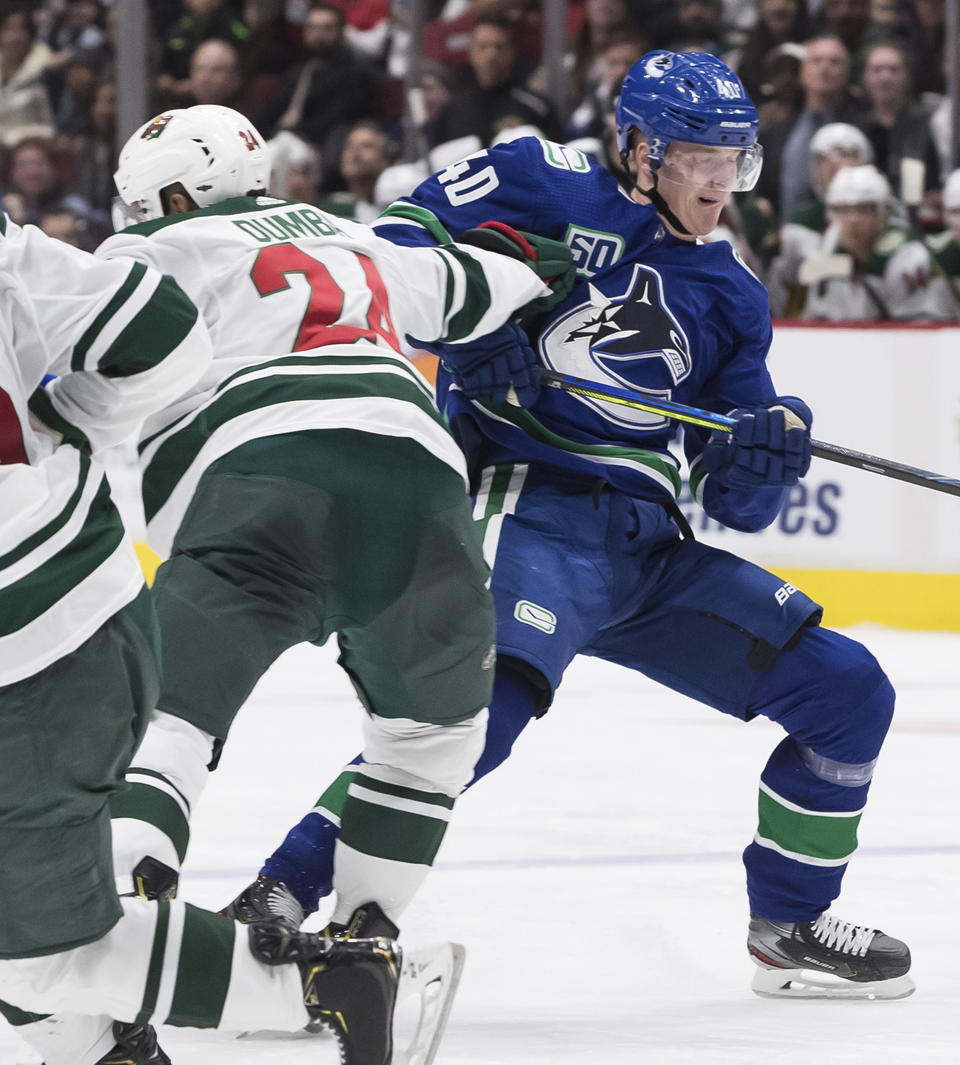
{"x":308,"y":314}
{"x":124,"y":342}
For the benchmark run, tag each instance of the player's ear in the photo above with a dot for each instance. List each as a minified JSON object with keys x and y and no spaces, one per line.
{"x":640,"y":152}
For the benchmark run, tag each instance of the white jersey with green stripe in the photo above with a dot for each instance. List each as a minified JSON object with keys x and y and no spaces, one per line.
{"x":123,"y":341}
{"x":310,"y":316}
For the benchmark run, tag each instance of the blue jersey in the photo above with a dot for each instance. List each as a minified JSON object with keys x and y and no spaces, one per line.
{"x":670,"y":318}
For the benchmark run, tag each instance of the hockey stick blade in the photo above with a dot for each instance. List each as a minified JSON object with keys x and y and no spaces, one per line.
{"x":428,"y":983}
{"x":680,"y":412}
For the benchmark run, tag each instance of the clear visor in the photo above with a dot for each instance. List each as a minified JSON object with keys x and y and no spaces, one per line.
{"x":716,"y":169}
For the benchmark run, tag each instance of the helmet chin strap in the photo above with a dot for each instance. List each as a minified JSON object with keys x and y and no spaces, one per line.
{"x":654,"y":196}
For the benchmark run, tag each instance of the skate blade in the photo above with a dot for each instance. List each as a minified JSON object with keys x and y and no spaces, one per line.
{"x":428,"y":983}
{"x":270,"y":1033}
{"x":803,"y":983}
{"x":429,"y":978}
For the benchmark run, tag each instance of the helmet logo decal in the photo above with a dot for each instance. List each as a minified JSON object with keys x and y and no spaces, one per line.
{"x":249,"y":138}
{"x":657,"y":66}
{"x":729,"y":90}
{"x":156,"y":127}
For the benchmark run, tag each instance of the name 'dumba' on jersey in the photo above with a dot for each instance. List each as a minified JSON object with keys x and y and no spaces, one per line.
{"x":629,"y":338}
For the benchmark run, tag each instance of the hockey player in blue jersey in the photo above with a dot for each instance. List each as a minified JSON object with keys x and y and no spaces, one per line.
{"x":577,"y":496}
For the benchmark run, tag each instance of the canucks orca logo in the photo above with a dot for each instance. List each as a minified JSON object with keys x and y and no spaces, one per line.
{"x":631,"y":339}
{"x":658,"y":65}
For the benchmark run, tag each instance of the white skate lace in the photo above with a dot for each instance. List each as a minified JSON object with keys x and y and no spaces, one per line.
{"x":844,"y":936}
{"x":281,"y":902}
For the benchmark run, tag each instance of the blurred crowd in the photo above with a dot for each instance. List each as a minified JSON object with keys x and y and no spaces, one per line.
{"x":856,"y":215}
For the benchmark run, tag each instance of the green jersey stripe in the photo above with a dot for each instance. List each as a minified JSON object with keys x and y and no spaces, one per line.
{"x":829,"y":838}
{"x":41,"y":535}
{"x":429,"y":797}
{"x":175,"y":455}
{"x":141,"y":802}
{"x":353,"y":363}
{"x":42,"y":408}
{"x":661,"y":468}
{"x":409,"y":212}
{"x":397,"y":835}
{"x":235,"y":205}
{"x":155,"y":966}
{"x":476,"y":296}
{"x":34,"y":594}
{"x":139,"y":771}
{"x":335,"y":795}
{"x":153,"y":333}
{"x":120,"y":297}
{"x":203,"y":969}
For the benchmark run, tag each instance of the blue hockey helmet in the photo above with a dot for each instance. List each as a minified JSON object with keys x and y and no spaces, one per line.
{"x":691,"y":97}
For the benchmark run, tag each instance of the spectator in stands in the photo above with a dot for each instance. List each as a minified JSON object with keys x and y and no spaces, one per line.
{"x":215,"y":75}
{"x":95,"y":153}
{"x":493,"y":95}
{"x":76,"y":31}
{"x":849,"y":20}
{"x":782,"y":89}
{"x":825,"y":77}
{"x":832,"y":147}
{"x":613,"y":62}
{"x":941,"y":122}
{"x":867,"y":268}
{"x":34,"y":188}
{"x":435,"y":86}
{"x":61,"y":223}
{"x":925,"y":40}
{"x":606,"y":24}
{"x":268,"y":49}
{"x":322,"y":96}
{"x":658,"y":20}
{"x":364,"y":157}
{"x":296,"y":169}
{"x":702,"y":28}
{"x":25,"y":109}
{"x":897,"y":125}
{"x":945,"y":246}
{"x":200,"y":20}
{"x":71,"y":88}
{"x":778,"y":22}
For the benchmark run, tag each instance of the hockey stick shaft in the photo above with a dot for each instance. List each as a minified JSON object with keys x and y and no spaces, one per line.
{"x":708,"y":420}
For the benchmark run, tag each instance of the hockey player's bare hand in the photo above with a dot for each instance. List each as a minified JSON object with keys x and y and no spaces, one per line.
{"x":769,"y":445}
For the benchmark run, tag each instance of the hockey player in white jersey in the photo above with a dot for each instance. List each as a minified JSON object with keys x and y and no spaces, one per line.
{"x":867,"y":267}
{"x":78,"y":680}
{"x":306,"y":486}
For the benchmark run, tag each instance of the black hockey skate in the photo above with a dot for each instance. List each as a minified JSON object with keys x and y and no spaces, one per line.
{"x":350,"y":985}
{"x":154,"y":881}
{"x":827,"y":958}
{"x":266,"y":899}
{"x":136,"y":1045}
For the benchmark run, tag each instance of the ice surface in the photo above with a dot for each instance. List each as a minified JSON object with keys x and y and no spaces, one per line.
{"x":596,"y":879}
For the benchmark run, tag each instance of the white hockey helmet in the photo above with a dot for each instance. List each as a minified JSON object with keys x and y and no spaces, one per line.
{"x":213,"y":151}
{"x":841,"y":137}
{"x":951,"y":192}
{"x":858,"y":184}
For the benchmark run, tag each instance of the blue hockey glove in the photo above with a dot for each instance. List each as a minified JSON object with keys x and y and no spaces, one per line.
{"x":767,"y":445}
{"x":491,"y":365}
